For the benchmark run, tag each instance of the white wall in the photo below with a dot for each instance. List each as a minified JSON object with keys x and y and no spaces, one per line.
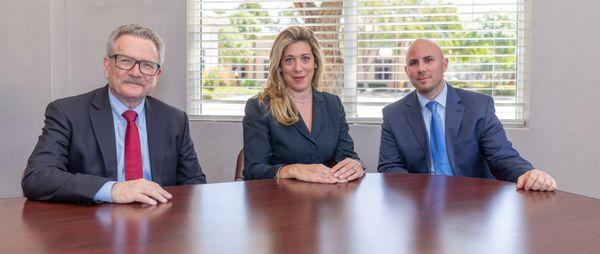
{"x":54,"y":49}
{"x":564,"y":136}
{"x":24,"y":75}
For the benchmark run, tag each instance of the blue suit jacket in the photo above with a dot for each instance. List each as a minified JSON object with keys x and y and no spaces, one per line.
{"x":268,"y":145}
{"x":475,"y":140}
{"x":76,"y":153}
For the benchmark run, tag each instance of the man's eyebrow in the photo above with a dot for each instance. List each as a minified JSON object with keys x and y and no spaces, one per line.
{"x":425,"y":57}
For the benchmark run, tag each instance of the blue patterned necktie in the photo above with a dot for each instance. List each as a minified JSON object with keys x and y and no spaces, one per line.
{"x":437,"y":142}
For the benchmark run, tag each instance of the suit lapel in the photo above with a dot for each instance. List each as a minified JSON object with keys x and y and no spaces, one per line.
{"x":414,"y":117}
{"x":301,"y":127}
{"x":155,"y":128}
{"x":102,"y":125}
{"x":319,"y":113}
{"x":454,"y":115}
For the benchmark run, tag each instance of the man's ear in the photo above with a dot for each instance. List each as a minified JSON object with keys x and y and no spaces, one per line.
{"x":445,"y":63}
{"x":159,"y":73}
{"x":106,"y":64}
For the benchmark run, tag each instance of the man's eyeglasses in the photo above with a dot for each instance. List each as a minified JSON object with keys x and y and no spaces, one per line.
{"x":127,"y":63}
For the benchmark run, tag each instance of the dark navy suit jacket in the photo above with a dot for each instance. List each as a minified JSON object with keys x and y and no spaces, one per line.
{"x":269,"y":145}
{"x":475,"y":140}
{"x":76,"y":153}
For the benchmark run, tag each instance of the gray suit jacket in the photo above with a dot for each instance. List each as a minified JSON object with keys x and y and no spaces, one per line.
{"x":475,"y":140}
{"x":76,"y":153}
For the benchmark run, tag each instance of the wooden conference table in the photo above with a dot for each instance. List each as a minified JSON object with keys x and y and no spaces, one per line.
{"x":381,"y":213}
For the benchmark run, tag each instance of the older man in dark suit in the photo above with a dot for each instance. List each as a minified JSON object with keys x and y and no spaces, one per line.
{"x":438,"y":129}
{"x":116,"y":143}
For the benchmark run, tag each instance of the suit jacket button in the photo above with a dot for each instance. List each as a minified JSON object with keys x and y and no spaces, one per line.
{"x":313,"y":147}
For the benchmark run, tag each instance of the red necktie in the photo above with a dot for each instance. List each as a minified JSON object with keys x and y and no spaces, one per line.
{"x":133,"y":152}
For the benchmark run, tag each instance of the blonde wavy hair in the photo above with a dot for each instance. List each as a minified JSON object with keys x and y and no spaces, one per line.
{"x":280,"y":102}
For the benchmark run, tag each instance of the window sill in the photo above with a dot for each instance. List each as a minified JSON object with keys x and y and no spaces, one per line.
{"x":508,"y":124}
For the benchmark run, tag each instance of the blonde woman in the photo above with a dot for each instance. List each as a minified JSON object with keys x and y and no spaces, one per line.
{"x":293,"y":130}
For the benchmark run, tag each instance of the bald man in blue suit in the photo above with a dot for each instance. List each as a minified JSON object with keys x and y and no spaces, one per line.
{"x":470,"y":140}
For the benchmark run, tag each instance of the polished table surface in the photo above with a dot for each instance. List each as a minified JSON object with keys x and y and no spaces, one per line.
{"x":381,"y":213}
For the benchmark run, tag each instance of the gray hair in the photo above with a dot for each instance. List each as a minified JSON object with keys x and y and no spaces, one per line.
{"x":137,"y":30}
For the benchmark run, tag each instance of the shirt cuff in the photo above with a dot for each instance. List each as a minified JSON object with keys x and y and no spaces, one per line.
{"x":104,"y":194}
{"x":279,"y":167}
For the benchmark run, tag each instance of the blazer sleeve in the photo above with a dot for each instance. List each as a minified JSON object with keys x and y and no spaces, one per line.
{"x":46,"y":175}
{"x":188,"y":167}
{"x":391,"y":158}
{"x":505,"y":162}
{"x":345,"y":145}
{"x":257,"y":144}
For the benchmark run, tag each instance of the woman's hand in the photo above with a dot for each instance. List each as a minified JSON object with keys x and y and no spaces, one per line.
{"x":348,"y":169}
{"x":317,"y":173}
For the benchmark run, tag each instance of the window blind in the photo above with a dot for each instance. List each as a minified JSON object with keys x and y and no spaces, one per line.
{"x":364,"y":44}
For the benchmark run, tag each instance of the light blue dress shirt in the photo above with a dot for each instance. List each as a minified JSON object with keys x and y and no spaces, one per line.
{"x":120,"y":125}
{"x":441,"y":109}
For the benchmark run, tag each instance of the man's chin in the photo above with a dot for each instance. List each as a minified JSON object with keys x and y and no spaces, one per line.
{"x":423,"y":87}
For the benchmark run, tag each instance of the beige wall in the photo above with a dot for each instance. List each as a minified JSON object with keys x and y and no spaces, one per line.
{"x":54,"y":48}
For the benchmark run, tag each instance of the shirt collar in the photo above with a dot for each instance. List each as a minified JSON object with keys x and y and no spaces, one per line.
{"x":440,"y":99}
{"x":119,"y":107}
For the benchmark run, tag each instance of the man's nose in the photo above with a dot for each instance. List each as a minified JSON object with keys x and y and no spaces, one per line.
{"x":135,"y":70}
{"x":421,"y":67}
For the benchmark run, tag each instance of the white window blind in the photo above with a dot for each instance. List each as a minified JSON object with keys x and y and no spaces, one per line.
{"x":364,"y":44}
